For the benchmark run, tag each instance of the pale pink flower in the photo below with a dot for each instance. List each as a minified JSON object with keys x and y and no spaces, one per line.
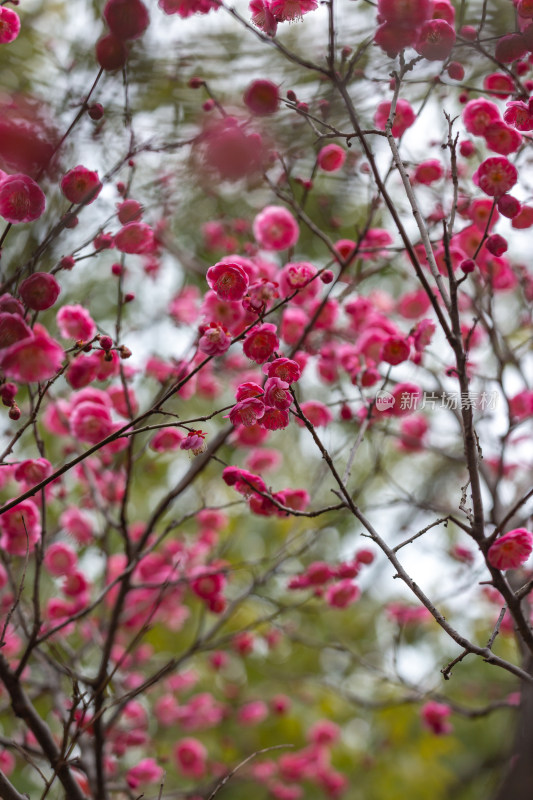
{"x":90,"y":422}
{"x":75,"y":322}
{"x":511,"y":550}
{"x":275,"y":228}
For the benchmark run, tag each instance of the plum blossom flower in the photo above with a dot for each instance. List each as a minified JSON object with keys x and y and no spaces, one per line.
{"x":435,"y":717}
{"x":80,"y":185}
{"x":247,"y":412}
{"x":292,"y":9}
{"x":228,"y":280}
{"x":214,"y":340}
{"x":135,"y":237}
{"x":331,"y":157}
{"x":194,"y":441}
{"x":21,"y":199}
{"x":9,"y":25}
{"x":32,"y":359}
{"x":274,"y":419}
{"x":186,"y":8}
{"x":403,"y":118}
{"x":75,"y":322}
{"x":275,"y":228}
{"x":262,"y":97}
{"x":39,"y":291}
{"x":146,"y":771}
{"x":284,"y":368}
{"x":20,"y":528}
{"x":495,"y":176}
{"x":260,"y":342}
{"x":342,"y":594}
{"x":478,"y":114}
{"x":262,"y":16}
{"x":90,"y":422}
{"x":511,"y":550}
{"x":435,"y":40}
{"x":191,"y":756}
{"x":166,"y":439}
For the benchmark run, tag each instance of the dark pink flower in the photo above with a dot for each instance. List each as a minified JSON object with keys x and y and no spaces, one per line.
{"x":292,"y":9}
{"x":214,"y":340}
{"x":403,"y":118}
{"x":478,"y":114}
{"x":186,"y":8}
{"x":276,"y":394}
{"x":21,"y":199}
{"x":435,"y":40}
{"x":317,"y":413}
{"x":39,"y":291}
{"x":228,"y":280}
{"x":501,"y":138}
{"x":9,"y":25}
{"x":262,"y":16}
{"x":262,"y":97}
{"x":511,"y":550}
{"x":127,"y":19}
{"x":342,"y":594}
{"x":284,"y":368}
{"x":80,"y":185}
{"x":495,"y":176}
{"x":395,"y":349}
{"x":12,"y":329}
{"x":435,"y":717}
{"x":146,"y":771}
{"x":195,"y":442}
{"x":247,"y":412}
{"x":428,"y":172}
{"x":20,"y":528}
{"x":274,"y":419}
{"x":260,"y":342}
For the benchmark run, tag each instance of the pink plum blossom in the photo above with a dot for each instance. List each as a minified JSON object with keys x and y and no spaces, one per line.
{"x":275,"y":228}
{"x":511,"y":550}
